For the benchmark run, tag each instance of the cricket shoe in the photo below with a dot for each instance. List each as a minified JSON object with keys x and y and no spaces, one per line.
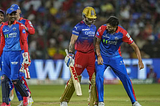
{"x":63,"y":104}
{"x":94,"y":104}
{"x":136,"y":104}
{"x":4,"y":104}
{"x":30,"y":101}
{"x":101,"y":104}
{"x":26,"y":101}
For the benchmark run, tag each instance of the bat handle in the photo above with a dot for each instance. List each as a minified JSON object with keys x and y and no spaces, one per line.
{"x":66,"y":51}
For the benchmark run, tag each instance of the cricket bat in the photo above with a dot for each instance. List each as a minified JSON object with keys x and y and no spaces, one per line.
{"x":75,"y":79}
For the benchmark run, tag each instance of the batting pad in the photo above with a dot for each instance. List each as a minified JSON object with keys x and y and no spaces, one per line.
{"x":69,"y":90}
{"x":93,"y":97}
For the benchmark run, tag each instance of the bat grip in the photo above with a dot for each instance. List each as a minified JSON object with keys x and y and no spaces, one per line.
{"x":66,"y":52}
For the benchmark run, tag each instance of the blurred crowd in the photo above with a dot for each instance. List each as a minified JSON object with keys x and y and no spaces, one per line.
{"x":53,"y":21}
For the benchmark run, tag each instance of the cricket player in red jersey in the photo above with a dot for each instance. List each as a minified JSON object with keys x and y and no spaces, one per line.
{"x":109,"y":37}
{"x":13,"y":41}
{"x":1,"y":23}
{"x":82,"y":41}
{"x":30,"y":31}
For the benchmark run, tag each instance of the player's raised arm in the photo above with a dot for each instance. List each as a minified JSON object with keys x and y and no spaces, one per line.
{"x":137,"y":51}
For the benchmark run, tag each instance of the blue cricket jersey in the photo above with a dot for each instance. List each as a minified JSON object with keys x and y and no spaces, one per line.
{"x":110,"y":43}
{"x":86,"y":36}
{"x":13,"y":36}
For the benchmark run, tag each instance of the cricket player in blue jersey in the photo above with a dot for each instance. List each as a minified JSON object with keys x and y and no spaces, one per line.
{"x":30,"y":31}
{"x":109,"y":37}
{"x":13,"y":41}
{"x":1,"y":23}
{"x":82,"y":42}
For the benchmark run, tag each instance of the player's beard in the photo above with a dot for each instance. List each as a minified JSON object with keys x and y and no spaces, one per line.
{"x":89,"y":22}
{"x":111,"y":31}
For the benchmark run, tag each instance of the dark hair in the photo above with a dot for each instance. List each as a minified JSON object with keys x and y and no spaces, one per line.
{"x":113,"y":21}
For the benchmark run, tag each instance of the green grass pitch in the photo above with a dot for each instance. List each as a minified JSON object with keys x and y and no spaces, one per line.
{"x":115,"y":95}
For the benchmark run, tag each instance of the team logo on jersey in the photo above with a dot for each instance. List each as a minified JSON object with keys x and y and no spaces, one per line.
{"x":97,"y":33}
{"x":121,"y":63}
{"x":14,"y":28}
{"x":116,"y":38}
{"x":24,"y":31}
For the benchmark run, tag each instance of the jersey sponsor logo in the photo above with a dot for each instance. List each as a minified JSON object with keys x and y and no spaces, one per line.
{"x":129,"y":37}
{"x":106,"y":36}
{"x":85,"y":29}
{"x":14,"y":63}
{"x":6,"y":36}
{"x":11,"y":35}
{"x":109,"y":42}
{"x":6,"y":30}
{"x":14,"y":28}
{"x":23,"y":31}
{"x":78,"y":65}
{"x":90,"y":33}
{"x":30,"y":23}
{"x":75,"y":32}
{"x":75,"y":27}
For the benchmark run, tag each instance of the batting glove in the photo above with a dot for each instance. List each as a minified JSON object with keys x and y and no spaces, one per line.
{"x":69,"y":59}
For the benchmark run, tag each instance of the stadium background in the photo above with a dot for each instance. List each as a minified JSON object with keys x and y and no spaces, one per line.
{"x":53,"y":21}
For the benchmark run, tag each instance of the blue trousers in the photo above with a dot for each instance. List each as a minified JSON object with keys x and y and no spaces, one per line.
{"x":117,"y":65}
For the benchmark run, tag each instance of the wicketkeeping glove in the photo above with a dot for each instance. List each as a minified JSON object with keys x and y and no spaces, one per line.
{"x":26,"y":60}
{"x":69,"y":59}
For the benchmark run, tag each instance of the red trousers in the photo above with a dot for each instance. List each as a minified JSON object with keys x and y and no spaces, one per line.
{"x":85,"y":60}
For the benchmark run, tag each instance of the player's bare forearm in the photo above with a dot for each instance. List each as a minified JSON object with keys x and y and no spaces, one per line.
{"x":72,"y":42}
{"x":71,"y":48}
{"x":97,"y":47}
{"x":137,"y":51}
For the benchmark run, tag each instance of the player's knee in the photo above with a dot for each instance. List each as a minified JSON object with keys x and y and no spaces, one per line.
{"x":93,"y":79}
{"x":15,"y":81}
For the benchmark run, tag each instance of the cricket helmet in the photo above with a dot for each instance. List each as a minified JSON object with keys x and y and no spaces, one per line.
{"x":89,"y":12}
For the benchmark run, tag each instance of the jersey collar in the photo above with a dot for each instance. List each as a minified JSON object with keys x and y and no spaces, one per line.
{"x":20,"y":18}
